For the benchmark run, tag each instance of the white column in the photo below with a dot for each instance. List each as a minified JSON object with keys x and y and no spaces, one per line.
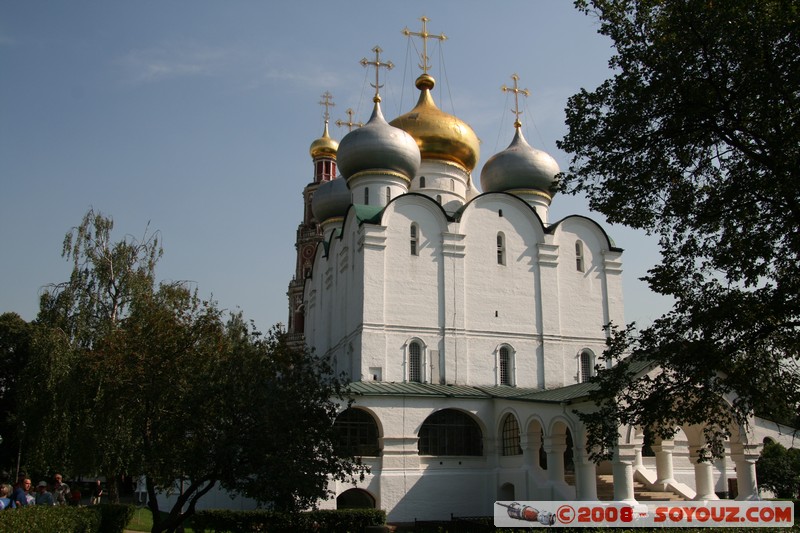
{"x":746,"y":480}
{"x":531,"y":444}
{"x":622,"y":465}
{"x":555,"y":447}
{"x":585,"y":476}
{"x":703,"y":476}
{"x":664,"y":470}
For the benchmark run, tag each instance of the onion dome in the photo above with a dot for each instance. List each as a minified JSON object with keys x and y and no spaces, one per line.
{"x":324,"y":146}
{"x":439,"y":135}
{"x":520,"y":167}
{"x":377,"y":146}
{"x":331,"y":200}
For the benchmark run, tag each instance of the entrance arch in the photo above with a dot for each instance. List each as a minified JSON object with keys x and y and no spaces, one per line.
{"x":355,"y":499}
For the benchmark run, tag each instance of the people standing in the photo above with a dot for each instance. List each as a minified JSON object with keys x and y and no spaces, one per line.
{"x":5,"y":496}
{"x":60,"y":491}
{"x":97,"y":492}
{"x":19,"y":497}
{"x":43,"y":497}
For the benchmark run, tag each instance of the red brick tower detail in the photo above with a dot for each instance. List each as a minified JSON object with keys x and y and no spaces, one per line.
{"x":309,"y":233}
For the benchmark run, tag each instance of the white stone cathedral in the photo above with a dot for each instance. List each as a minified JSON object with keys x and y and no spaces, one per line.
{"x":468,"y":323}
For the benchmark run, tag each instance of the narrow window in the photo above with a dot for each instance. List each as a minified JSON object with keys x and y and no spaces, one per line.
{"x":579,"y":255}
{"x":511,"y":436}
{"x":414,"y":362}
{"x":501,"y":249}
{"x":414,"y":239}
{"x":366,"y":195}
{"x":505,"y":366}
{"x":500,"y":213}
{"x":586,"y":365}
{"x":452,"y":184}
{"x":439,"y":199}
{"x":388,"y":195}
{"x":422,"y":182}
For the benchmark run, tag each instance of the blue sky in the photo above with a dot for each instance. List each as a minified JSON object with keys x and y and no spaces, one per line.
{"x":196,"y":117}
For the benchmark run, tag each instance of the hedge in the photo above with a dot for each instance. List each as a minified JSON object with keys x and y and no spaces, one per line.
{"x":323,"y":521}
{"x":107,"y":518}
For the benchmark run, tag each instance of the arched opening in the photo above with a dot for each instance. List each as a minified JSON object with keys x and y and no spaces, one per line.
{"x":355,"y":499}
{"x":510,"y":436}
{"x":357,"y":433}
{"x":506,"y":492}
{"x":450,"y":432}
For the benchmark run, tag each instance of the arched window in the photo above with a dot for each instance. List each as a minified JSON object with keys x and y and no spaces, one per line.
{"x":366,"y":195}
{"x":357,"y":433}
{"x":511,"y":436}
{"x":452,"y":184}
{"x":500,"y":213}
{"x":388,"y":195}
{"x":579,"y":262}
{"x":422,"y":182}
{"x":501,"y":249}
{"x":415,"y":362}
{"x":505,"y":366}
{"x":355,"y":499}
{"x":439,"y":199}
{"x":414,"y":240}
{"x":450,"y":432}
{"x":587,"y":365}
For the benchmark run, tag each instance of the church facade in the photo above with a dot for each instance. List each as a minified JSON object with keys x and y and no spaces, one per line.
{"x":468,"y":323}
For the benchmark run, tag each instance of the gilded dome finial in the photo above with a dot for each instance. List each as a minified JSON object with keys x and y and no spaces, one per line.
{"x":517,"y":91}
{"x":349,"y":122}
{"x":377,"y":64}
{"x":425,"y":65}
{"x":325,"y":146}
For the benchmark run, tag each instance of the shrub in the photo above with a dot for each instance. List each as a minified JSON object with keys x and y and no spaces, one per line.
{"x":50,"y":520}
{"x":324,"y":521}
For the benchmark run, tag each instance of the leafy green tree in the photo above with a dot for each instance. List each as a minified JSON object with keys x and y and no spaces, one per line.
{"x":778,"y":470}
{"x":15,"y":345}
{"x":139,"y":378}
{"x":696,"y":138}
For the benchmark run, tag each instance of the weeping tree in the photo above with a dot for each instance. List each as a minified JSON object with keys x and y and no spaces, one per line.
{"x":695,"y":138}
{"x":143,"y":378}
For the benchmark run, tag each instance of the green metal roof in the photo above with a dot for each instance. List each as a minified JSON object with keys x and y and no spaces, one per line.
{"x":368,"y":213}
{"x":383,"y":388}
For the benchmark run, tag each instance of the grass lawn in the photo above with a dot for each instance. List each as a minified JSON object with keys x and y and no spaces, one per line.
{"x":143,"y":521}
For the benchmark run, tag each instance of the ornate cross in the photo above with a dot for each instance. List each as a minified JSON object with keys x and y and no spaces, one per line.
{"x":517,"y":91}
{"x":327,"y":101}
{"x":377,"y":64}
{"x":349,"y":122}
{"x":425,"y":36}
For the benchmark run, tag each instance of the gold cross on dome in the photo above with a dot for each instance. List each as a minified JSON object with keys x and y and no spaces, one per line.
{"x":327,"y":101}
{"x":517,"y":91}
{"x":349,"y":122}
{"x":377,"y":64}
{"x":425,"y":36}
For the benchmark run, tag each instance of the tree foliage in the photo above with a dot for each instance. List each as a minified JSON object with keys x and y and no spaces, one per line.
{"x":696,"y":138}
{"x":778,"y":470}
{"x":135,"y":377}
{"x":15,"y":346}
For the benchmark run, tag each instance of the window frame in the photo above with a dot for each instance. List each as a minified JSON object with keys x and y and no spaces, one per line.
{"x":450,"y":432}
{"x":510,"y":443}
{"x":501,"y":248}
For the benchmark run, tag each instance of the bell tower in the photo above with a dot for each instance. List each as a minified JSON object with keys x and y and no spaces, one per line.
{"x":309,"y":233}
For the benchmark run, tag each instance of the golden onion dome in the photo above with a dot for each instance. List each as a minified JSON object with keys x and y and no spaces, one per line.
{"x":324,"y":146}
{"x":439,"y":135}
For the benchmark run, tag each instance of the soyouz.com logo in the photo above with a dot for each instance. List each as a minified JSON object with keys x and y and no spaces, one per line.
{"x":718,"y":513}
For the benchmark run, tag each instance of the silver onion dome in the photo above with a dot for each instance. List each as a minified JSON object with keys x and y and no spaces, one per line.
{"x":331,"y":200}
{"x":520,"y":166}
{"x":380,"y":147}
